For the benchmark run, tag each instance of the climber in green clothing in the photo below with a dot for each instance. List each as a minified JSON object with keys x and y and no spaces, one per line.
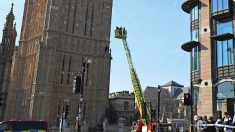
{"x":124,"y":33}
{"x":116,"y":32}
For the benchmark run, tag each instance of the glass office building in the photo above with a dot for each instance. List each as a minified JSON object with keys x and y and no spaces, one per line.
{"x":211,"y":49}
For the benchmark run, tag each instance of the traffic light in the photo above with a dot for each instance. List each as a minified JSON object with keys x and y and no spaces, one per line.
{"x":66,"y":112}
{"x":77,"y":84}
{"x":187,"y":99}
{"x":1,"y":100}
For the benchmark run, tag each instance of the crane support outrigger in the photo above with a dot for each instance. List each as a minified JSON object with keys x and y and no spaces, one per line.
{"x":145,"y":116}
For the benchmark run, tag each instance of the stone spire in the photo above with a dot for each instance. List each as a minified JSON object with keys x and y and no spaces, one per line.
{"x":9,"y":32}
{"x":10,"y":19}
{"x":7,"y":49}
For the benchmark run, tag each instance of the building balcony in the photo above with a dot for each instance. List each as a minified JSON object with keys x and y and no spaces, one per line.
{"x":188,"y":5}
{"x":225,"y":71}
{"x":195,"y":24}
{"x":222,"y":37}
{"x":223,"y":14}
{"x":188,"y":46}
{"x":195,"y":76}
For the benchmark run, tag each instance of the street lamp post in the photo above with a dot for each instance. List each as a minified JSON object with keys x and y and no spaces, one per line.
{"x":85,"y":67}
{"x":191,"y":105}
{"x":158,"y":108}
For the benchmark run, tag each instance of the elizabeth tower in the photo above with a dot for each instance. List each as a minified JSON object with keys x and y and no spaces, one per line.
{"x":57,"y":36}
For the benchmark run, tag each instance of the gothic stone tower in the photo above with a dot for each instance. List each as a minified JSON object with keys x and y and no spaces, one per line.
{"x":7,"y":48}
{"x":56,"y":36}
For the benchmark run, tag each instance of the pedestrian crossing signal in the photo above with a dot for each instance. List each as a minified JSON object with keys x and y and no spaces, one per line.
{"x":77,"y":84}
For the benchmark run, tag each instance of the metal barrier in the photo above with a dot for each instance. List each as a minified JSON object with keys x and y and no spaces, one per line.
{"x":180,"y":125}
{"x":216,"y":125}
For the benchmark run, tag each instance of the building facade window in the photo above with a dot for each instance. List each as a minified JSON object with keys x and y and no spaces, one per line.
{"x":195,"y":60}
{"x":219,"y":5}
{"x":196,"y":98}
{"x":225,"y":98}
{"x":195,"y":51}
{"x":225,"y":54}
{"x":224,"y":27}
{"x":195,"y":35}
{"x":194,"y":13}
{"x":196,"y":94}
{"x":224,"y":45}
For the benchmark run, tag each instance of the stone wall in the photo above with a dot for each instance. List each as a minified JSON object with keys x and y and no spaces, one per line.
{"x":123,"y":104}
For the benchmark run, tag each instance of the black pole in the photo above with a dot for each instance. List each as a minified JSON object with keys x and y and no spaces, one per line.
{"x":87,"y":71}
{"x":80,"y":106}
{"x":58,"y":116}
{"x":84,"y":111}
{"x":62,"y":120}
{"x":191,"y":92}
{"x":150,"y":111}
{"x":78,"y":123}
{"x":158,"y":108}
{"x":83,"y":74}
{"x":58,"y":110}
{"x":191,"y":103}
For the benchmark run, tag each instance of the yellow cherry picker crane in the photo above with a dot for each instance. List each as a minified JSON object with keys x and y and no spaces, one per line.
{"x":144,"y":112}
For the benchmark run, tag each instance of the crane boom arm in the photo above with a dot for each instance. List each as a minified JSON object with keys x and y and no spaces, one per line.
{"x":141,"y":102}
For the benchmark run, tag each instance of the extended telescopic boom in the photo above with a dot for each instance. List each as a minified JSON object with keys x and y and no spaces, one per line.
{"x":121,"y":33}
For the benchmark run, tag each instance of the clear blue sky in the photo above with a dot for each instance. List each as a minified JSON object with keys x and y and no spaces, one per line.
{"x":156,"y":31}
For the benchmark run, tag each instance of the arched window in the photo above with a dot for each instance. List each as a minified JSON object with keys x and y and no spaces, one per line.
{"x":225,"y":98}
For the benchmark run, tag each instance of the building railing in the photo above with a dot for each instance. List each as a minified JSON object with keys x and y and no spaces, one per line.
{"x":195,"y":75}
{"x":225,"y":71}
{"x":215,"y":125}
{"x":195,"y":24}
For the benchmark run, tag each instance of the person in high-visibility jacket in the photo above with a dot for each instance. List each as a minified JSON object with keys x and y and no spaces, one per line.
{"x":124,"y":33}
{"x":117,"y":35}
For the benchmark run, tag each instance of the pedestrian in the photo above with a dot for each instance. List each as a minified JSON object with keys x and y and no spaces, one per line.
{"x":227,"y":120}
{"x":195,"y":118}
{"x":124,"y":33}
{"x":211,"y":122}
{"x":117,"y":34}
{"x":219,"y":121}
{"x":120,"y":31}
{"x":199,"y":122}
{"x":205,"y":121}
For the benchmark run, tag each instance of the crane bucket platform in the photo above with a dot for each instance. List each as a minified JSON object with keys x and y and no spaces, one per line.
{"x":120,"y":33}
